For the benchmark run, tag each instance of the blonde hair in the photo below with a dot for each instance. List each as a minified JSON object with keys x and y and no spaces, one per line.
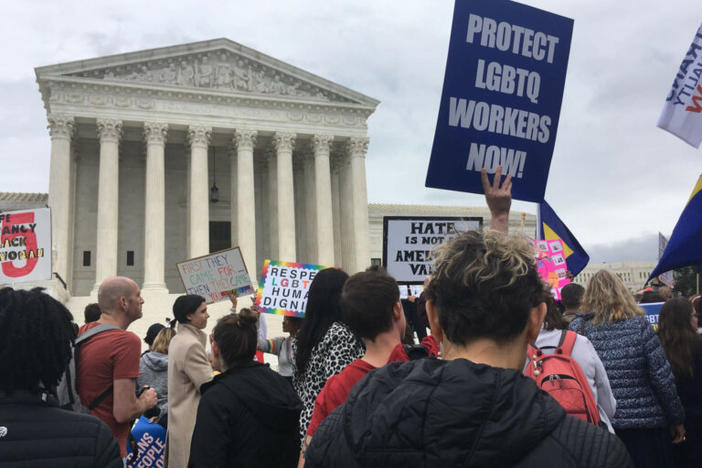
{"x":162,"y":340}
{"x":607,"y":298}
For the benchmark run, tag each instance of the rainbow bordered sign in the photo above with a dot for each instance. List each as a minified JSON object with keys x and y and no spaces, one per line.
{"x":283,"y":287}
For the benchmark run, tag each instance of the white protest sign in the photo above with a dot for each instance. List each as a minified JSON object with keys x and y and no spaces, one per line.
{"x":283,"y":287}
{"x":212,"y":276}
{"x":408,"y":242}
{"x":25,"y":245}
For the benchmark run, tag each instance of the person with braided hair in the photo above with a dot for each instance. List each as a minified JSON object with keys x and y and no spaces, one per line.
{"x":35,"y":347}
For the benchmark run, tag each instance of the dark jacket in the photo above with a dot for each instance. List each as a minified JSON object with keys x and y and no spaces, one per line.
{"x":638,"y":371}
{"x":35,"y":433}
{"x":247,"y":416}
{"x":433,"y":413}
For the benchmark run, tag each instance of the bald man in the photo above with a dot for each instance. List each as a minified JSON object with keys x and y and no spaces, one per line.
{"x":109,"y":361}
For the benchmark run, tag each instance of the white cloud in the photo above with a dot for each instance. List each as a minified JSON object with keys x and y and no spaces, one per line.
{"x":614,"y":174}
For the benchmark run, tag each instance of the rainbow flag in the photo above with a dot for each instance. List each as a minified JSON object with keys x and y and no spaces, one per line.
{"x":550,"y":227}
{"x":685,"y":245}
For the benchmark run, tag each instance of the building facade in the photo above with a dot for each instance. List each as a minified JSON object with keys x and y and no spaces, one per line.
{"x":167,"y":154}
{"x":633,"y":274}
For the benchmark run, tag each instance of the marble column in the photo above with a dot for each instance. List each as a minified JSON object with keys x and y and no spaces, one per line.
{"x":348,"y":258}
{"x":357,"y":158}
{"x":233,"y":187}
{"x":199,"y":192}
{"x":310,"y":218}
{"x":271,"y":189}
{"x":246,"y":201}
{"x":155,"y":211}
{"x":336,"y":209}
{"x":109,"y":133}
{"x":61,"y":129}
{"x":324,"y":219}
{"x":284,"y":143}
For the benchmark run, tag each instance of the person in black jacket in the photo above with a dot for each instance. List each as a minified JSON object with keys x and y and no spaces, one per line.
{"x":485,"y":303}
{"x":35,"y":347}
{"x":248,"y":414}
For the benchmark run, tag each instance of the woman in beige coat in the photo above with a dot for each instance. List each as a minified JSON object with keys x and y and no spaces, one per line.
{"x":188,"y":369}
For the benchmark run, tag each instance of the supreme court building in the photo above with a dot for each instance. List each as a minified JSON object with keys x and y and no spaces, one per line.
{"x":162,"y":155}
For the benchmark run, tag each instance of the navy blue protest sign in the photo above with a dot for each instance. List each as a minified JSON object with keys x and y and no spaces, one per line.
{"x":652,"y":311}
{"x":502,"y":96}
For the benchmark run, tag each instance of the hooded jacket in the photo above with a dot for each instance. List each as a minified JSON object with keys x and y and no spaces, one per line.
{"x":34,"y":432}
{"x":433,"y":413}
{"x":247,"y":417}
{"x":153,"y":371}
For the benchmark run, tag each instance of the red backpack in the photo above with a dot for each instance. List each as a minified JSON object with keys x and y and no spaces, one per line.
{"x":561,"y":376}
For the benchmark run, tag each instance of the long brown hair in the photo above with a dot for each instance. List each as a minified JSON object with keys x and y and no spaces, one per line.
{"x":607,"y":298}
{"x":677,"y":335}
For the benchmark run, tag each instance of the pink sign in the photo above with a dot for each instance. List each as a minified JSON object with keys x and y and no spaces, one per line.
{"x":551,"y":264}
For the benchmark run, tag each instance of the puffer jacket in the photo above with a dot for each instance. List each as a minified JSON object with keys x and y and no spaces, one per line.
{"x":433,"y":413}
{"x":247,"y":417}
{"x":639,"y":373}
{"x":35,"y":433}
{"x":153,"y":371}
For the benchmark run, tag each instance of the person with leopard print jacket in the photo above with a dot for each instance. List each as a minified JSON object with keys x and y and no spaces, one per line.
{"x":325,"y":345}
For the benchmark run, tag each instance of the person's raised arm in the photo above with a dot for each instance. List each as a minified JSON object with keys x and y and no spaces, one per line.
{"x":498,"y":198}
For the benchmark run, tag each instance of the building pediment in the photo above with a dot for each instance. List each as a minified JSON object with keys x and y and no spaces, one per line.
{"x":220,"y":66}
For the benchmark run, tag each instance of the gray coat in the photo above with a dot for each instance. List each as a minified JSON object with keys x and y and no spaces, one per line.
{"x":638,"y":371}
{"x":153,"y":371}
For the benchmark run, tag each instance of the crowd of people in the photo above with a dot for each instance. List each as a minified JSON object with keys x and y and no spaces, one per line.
{"x":350,"y":390}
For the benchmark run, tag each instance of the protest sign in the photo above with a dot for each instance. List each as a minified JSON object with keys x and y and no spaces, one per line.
{"x":407,"y":290}
{"x":283,"y":287}
{"x":408,"y":242}
{"x":551,"y":264}
{"x":652,"y":311}
{"x":25,"y":245}
{"x":682,"y":111}
{"x":213,"y":276}
{"x":150,"y":440}
{"x":502,"y":96}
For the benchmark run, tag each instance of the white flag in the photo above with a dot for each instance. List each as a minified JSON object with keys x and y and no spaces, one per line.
{"x":682,"y":112}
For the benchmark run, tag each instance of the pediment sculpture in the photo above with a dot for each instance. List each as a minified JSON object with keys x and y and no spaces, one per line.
{"x":221,"y":70}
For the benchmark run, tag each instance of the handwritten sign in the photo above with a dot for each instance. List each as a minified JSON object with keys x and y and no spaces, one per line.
{"x":551,"y":264}
{"x":409,"y":241}
{"x":283,"y":287}
{"x":25,"y":245}
{"x":501,"y":100}
{"x":213,"y":276}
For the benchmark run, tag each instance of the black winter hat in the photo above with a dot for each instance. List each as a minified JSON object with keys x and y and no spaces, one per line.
{"x":152,"y":332}
{"x":186,"y":304}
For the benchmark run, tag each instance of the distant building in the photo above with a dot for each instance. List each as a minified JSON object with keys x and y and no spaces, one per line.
{"x":633,"y":274}
{"x":12,"y":201}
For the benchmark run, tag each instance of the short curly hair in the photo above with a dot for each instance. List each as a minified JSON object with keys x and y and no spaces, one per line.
{"x":484,"y":285}
{"x":36,"y":332}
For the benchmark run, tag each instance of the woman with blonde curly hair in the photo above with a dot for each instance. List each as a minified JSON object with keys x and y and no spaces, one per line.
{"x":649,"y":413}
